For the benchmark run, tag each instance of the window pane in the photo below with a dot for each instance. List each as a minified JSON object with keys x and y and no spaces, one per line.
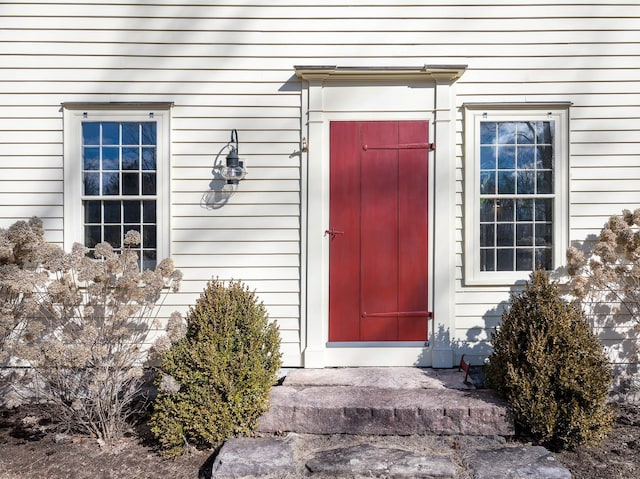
{"x":524,"y":210}
{"x":544,"y":210}
{"x":487,"y":260}
{"x":544,"y":182}
{"x":487,"y":183}
{"x":544,"y":132}
{"x":505,"y":259}
{"x":149,"y":236}
{"x":90,"y":133}
{"x":526,"y":183}
{"x":487,"y":157}
{"x":92,"y":212}
{"x":110,"y":158}
{"x":543,"y":258}
{"x":504,"y":210}
{"x":111,"y":133}
{"x":130,"y":158}
{"x":149,"y":211}
{"x":526,"y":133}
{"x":507,"y":133}
{"x":524,"y":234}
{"x":148,"y":184}
{"x":487,"y":235}
{"x":545,"y":157}
{"x":128,"y":228}
{"x":506,"y":157}
{"x":487,"y":209}
{"x":112,"y":212}
{"x":506,"y":182}
{"x":488,"y":131}
{"x":149,"y":133}
{"x":131,"y":133}
{"x":524,"y":259}
{"x":148,"y":260}
{"x":130,"y":184}
{"x":113,"y":235}
{"x":148,"y":158}
{"x":526,"y":157}
{"x":544,"y":234}
{"x":92,"y":236}
{"x":504,"y":234}
{"x":91,"y":158}
{"x":131,"y":211}
{"x":110,"y":183}
{"x":91,"y":183}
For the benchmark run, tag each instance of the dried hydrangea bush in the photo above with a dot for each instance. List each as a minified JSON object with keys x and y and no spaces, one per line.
{"x":611,"y":270}
{"x":82,"y":324}
{"x":606,"y":279}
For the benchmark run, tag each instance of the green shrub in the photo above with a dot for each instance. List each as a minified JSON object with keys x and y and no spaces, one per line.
{"x":215,"y":382}
{"x":551,"y":368}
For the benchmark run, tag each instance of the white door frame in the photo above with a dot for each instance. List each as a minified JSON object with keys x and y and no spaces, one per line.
{"x":411,"y":93}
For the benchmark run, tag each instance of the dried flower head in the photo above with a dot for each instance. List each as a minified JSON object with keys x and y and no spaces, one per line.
{"x":176,"y":327}
{"x":132,"y":238}
{"x":608,"y":236}
{"x":165,"y":268}
{"x":104,"y":250}
{"x":617,"y":223}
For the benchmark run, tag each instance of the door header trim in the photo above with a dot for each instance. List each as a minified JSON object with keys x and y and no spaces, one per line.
{"x":334,"y":72}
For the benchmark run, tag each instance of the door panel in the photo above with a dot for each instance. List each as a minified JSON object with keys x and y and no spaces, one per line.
{"x":344,"y":274}
{"x":378,"y":256}
{"x":378,"y":232}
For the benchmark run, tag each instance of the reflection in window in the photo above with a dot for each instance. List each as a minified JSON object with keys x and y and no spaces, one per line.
{"x":516,"y":195}
{"x":119,"y":184}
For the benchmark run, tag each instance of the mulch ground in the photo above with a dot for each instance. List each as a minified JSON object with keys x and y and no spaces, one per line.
{"x":31,"y":447}
{"x":617,"y":457}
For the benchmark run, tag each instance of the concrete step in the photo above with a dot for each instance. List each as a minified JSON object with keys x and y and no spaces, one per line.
{"x":384,"y":401}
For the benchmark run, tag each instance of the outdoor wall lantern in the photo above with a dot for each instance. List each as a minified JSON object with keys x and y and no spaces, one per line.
{"x":234,"y":170}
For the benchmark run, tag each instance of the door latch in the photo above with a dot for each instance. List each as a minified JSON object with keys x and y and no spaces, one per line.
{"x":332,"y":233}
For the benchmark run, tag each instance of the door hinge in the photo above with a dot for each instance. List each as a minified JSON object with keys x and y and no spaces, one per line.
{"x":402,"y":146}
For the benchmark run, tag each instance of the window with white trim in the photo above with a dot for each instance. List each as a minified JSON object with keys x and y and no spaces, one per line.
{"x":116,"y":165}
{"x":516,"y":162}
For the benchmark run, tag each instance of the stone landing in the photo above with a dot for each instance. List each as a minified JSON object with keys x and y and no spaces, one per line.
{"x":384,"y":401}
{"x":383,"y":422}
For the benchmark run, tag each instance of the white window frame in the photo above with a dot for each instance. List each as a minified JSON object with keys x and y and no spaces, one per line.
{"x":74,"y":115}
{"x":474,"y":114}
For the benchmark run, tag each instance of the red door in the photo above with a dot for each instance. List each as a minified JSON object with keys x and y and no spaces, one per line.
{"x":378,"y":231}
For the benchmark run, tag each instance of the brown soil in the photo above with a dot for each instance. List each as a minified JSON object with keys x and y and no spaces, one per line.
{"x":617,"y":457}
{"x":30,"y":447}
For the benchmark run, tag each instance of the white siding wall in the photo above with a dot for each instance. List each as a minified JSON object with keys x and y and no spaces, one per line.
{"x":229,"y":64}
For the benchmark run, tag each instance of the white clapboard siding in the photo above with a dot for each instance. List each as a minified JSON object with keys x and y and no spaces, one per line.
{"x":229,"y":64}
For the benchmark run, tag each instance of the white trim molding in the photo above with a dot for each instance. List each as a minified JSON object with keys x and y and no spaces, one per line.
{"x":77,"y":112}
{"x":474,"y":113}
{"x":377,"y":93}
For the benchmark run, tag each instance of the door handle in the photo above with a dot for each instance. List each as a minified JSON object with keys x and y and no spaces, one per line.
{"x":332,"y":233}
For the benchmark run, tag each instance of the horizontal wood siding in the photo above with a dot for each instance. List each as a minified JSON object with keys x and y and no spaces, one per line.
{"x":593,"y":65}
{"x":229,"y":64}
